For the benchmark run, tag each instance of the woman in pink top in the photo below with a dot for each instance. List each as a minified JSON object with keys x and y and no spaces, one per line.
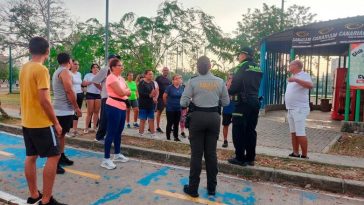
{"x":115,"y":108}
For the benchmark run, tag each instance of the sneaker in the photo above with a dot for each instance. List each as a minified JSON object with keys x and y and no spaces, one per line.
{"x":225,"y":144}
{"x":128,"y":125}
{"x":30,"y":200}
{"x":152,"y":135}
{"x":69,"y":134}
{"x":304,"y":157}
{"x":102,"y":141}
{"x":236,"y":162}
{"x":159,"y":130}
{"x":108,"y":164}
{"x":177,"y":139}
{"x":120,"y":158}
{"x":187,"y":190}
{"x":250,"y":163}
{"x":65,"y":161}
{"x":52,"y":201}
{"x":85,"y":131}
{"x":294,"y":155}
{"x":183,"y":135}
{"x":60,"y":170}
{"x":141,"y":134}
{"x":136,"y":125}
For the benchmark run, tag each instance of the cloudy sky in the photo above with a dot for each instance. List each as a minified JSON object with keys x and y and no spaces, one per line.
{"x":226,"y":12}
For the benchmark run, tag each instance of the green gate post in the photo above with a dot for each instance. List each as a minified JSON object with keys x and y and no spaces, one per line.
{"x":292,"y":54}
{"x":357,"y":106}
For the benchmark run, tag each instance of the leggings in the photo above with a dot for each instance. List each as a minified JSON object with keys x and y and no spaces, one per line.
{"x":115,"y":126}
{"x":173,"y":118}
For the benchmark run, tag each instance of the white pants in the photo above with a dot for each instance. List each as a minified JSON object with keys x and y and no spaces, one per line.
{"x":297,"y":120}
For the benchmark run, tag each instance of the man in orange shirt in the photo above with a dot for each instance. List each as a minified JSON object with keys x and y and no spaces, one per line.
{"x":39,"y":122}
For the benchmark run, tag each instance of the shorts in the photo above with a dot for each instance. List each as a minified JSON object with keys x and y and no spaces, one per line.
{"x":226,"y":119}
{"x":133,"y":104}
{"x":297,"y":120}
{"x":41,"y":141}
{"x":80,"y":97}
{"x":160,"y":105}
{"x":66,"y":123}
{"x":92,"y":96}
{"x":145,"y":114}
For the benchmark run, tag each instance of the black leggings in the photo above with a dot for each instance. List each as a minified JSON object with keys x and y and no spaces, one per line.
{"x":173,"y":118}
{"x":80,"y":97}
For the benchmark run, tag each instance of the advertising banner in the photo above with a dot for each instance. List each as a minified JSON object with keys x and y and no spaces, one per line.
{"x":357,"y":66}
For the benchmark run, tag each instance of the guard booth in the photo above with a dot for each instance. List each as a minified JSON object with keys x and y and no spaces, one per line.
{"x":332,"y":53}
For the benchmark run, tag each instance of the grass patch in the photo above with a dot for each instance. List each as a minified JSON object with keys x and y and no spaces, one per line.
{"x":350,"y":145}
{"x":10,"y":100}
{"x":296,"y":165}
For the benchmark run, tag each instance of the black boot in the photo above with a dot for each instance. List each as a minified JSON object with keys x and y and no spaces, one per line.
{"x":188,"y":190}
{"x":65,"y":161}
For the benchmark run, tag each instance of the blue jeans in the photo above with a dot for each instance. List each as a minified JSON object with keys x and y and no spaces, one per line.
{"x":115,"y":126}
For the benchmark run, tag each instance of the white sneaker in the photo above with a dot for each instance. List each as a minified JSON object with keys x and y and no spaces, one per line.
{"x":141,"y":134}
{"x":85,"y":131}
{"x":152,"y":135}
{"x":120,"y":158}
{"x":108,"y":164}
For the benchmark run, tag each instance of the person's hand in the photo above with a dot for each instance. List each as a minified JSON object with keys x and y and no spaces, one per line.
{"x":58,"y":129}
{"x":228,"y":84}
{"x":78,"y":112}
{"x":153,"y":93}
{"x":128,"y":92}
{"x":292,"y":79}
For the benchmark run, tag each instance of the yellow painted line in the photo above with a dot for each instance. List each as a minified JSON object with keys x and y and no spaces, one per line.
{"x":84,"y":174}
{"x":6,"y":154}
{"x":186,"y":197}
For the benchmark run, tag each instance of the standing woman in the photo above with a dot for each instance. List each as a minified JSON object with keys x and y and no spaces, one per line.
{"x":76,"y":82}
{"x":133,"y":101}
{"x":93,"y":97}
{"x":118,"y":93}
{"x":171,"y":97}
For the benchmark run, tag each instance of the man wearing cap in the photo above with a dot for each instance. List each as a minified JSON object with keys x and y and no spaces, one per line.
{"x":244,"y":89}
{"x":101,"y":78}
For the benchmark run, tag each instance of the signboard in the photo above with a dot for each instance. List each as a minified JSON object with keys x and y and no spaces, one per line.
{"x":357,"y":66}
{"x":308,"y":37}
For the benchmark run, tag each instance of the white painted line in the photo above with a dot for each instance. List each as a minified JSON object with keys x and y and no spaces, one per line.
{"x":11,"y":198}
{"x":6,"y":154}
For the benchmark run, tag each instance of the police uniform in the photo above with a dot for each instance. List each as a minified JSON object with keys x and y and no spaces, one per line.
{"x":204,"y":94}
{"x":244,"y":89}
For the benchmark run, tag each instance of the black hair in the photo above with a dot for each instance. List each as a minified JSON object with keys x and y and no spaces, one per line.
{"x":63,"y":58}
{"x":203,"y":65}
{"x":147,"y":71}
{"x":114,"y":62}
{"x":38,"y":46}
{"x":92,"y":65}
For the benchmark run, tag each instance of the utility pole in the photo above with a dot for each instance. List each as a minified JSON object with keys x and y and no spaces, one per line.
{"x":10,"y":71}
{"x":49,"y":28}
{"x":282,"y":15}
{"x":107,"y":31}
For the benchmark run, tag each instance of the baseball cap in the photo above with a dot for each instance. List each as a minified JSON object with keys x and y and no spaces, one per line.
{"x":113,"y":56}
{"x":247,"y":50}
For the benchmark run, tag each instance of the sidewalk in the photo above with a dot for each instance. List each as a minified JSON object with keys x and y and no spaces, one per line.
{"x":272,"y":127}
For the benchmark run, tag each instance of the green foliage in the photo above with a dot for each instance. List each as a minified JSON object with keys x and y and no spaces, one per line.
{"x":219,"y":73}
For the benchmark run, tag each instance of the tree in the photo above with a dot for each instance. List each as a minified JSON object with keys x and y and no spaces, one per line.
{"x":257,"y":24}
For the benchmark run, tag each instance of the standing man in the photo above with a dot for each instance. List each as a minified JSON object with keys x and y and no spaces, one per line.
{"x":101,"y":78}
{"x":147,"y":92}
{"x":244,"y":89}
{"x":204,"y":94}
{"x":163,"y":82}
{"x":297,"y":104}
{"x":40,"y":125}
{"x":64,"y":102}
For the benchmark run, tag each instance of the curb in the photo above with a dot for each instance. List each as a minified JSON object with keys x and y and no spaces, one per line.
{"x":325,"y":183}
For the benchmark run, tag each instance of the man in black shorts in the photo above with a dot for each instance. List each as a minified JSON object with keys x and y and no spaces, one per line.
{"x":40,"y":125}
{"x":163,"y":82}
{"x":64,"y":102}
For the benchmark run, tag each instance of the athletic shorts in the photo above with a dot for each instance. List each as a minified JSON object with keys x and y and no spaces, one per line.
{"x":92,"y":96}
{"x":66,"y":123}
{"x":41,"y":141}
{"x":160,"y":105}
{"x":297,"y":120}
{"x":146,"y":114}
{"x":226,"y":119}
{"x":133,"y":104}
{"x":80,"y":97}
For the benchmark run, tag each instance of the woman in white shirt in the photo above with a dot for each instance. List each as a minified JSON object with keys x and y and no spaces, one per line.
{"x":93,"y":97}
{"x":76,"y":82}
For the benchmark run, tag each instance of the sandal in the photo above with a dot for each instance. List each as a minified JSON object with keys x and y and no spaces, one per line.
{"x":294,"y":155}
{"x":304,"y":157}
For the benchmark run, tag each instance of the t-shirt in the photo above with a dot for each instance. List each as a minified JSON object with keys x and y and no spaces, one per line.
{"x":296,"y":95}
{"x":33,"y":77}
{"x":133,"y":89}
{"x":91,"y":88}
{"x":115,"y":103}
{"x":163,"y":83}
{"x":76,"y":82}
{"x":174,"y":97}
{"x":229,"y":109}
{"x":144,"y":89}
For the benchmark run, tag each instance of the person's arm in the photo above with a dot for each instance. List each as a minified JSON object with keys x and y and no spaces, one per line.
{"x":235,"y":86}
{"x":118,"y":90}
{"x":86,"y":81}
{"x":165,"y":96}
{"x":303,"y":83}
{"x":186,"y":95}
{"x":66,"y":79}
{"x":48,"y":109}
{"x":100,"y":76}
{"x":225,"y":99}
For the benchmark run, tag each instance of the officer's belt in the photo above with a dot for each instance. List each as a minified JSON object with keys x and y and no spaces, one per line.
{"x":206,"y":109}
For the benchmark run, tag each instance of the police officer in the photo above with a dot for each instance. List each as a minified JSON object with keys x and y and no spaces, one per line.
{"x":204,"y":94}
{"x":244,"y":89}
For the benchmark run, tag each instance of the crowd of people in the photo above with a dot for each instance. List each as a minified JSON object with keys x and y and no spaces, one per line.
{"x":196,"y":106}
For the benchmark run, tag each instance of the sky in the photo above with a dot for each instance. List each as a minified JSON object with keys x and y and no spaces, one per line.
{"x":226,"y":12}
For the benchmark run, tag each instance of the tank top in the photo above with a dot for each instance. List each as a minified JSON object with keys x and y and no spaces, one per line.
{"x":62,"y":106}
